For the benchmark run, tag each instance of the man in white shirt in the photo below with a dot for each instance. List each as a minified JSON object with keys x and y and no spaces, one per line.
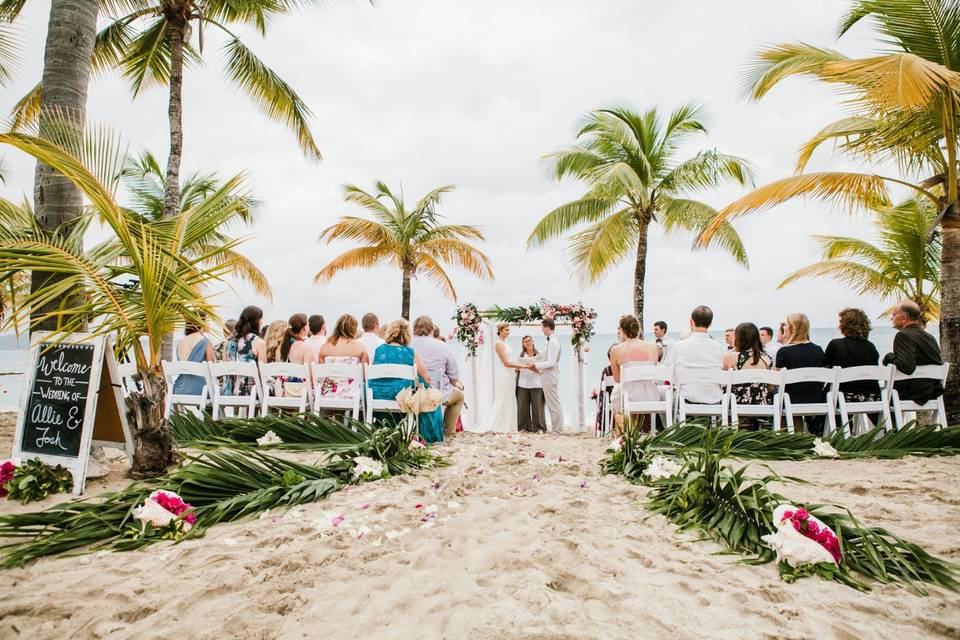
{"x":371,"y":333}
{"x":663,"y":342}
{"x":318,"y":335}
{"x":771,"y":347}
{"x":439,"y":362}
{"x":549,"y":370}
{"x":698,"y":351}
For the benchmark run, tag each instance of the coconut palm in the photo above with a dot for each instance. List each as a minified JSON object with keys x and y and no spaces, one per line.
{"x":413,"y":239}
{"x":137,"y":286}
{"x":905,"y":103}
{"x":904,"y":264}
{"x":628,"y":160}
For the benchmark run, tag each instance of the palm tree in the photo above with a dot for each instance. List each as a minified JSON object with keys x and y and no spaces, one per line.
{"x":138,"y":285}
{"x":628,"y":161}
{"x":906,"y":101}
{"x":151,"y":45}
{"x":903,"y":265}
{"x":414,"y":240}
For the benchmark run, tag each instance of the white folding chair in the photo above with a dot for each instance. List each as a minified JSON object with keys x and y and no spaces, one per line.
{"x":379,"y":372}
{"x":859,"y":410}
{"x":196,"y":403}
{"x":219,"y":372}
{"x":642,"y":372}
{"x":760,"y":376}
{"x":277,"y":393}
{"x":128,"y":371}
{"x":351,"y":374}
{"x":821,"y":375}
{"x":703,"y":376}
{"x":606,"y":406}
{"x":926,"y":372}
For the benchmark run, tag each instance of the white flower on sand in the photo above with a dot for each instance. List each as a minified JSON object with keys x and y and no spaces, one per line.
{"x":363,"y":466}
{"x":153,"y":513}
{"x":661,"y":467}
{"x":793,"y":546}
{"x":617,"y":444}
{"x":824,"y":449}
{"x":268,"y":438}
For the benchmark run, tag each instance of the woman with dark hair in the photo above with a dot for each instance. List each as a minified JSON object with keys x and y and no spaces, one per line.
{"x":246,"y":345}
{"x":193,"y":347}
{"x":748,"y":353}
{"x":854,"y":349}
{"x":632,"y":351}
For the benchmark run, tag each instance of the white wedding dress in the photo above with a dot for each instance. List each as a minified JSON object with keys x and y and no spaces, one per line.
{"x":503,"y":414}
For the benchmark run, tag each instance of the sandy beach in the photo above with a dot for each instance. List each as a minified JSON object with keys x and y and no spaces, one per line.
{"x":520,"y":546}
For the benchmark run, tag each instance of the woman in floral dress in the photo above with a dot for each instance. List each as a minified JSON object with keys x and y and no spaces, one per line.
{"x":246,"y":345}
{"x":342,"y":347}
{"x":748,"y":353}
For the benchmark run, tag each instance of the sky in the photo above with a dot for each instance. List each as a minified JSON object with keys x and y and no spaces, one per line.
{"x":422,"y":93}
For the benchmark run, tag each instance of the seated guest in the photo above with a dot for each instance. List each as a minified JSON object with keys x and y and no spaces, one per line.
{"x":766,"y":338}
{"x":748,"y":353}
{"x":799,"y":353}
{"x":342,"y":347}
{"x":246,"y":345}
{"x":729,"y":337}
{"x":913,"y":347}
{"x":396,"y":350}
{"x":854,"y":350}
{"x":292,"y":349}
{"x":437,"y":334}
{"x":229,"y":327}
{"x":371,"y":332}
{"x":698,"y":351}
{"x":273,"y":338}
{"x":530,"y":415}
{"x":660,"y":338}
{"x":438,"y":359}
{"x":603,"y":399}
{"x":632,"y":351}
{"x":318,"y":336}
{"x":193,"y":347}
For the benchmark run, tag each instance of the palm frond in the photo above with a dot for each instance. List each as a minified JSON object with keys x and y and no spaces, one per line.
{"x":26,"y":112}
{"x":567,"y":216}
{"x":694,"y":216}
{"x":603,"y":245}
{"x":358,"y":258}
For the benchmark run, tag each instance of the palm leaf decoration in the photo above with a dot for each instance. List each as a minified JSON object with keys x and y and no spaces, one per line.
{"x":628,"y":162}
{"x":413,"y":239}
{"x":905,"y":263}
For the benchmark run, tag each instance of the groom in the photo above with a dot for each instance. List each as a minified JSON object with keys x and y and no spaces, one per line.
{"x":550,"y":375}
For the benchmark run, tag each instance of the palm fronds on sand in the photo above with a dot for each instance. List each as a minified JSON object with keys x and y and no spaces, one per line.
{"x":305,"y":432}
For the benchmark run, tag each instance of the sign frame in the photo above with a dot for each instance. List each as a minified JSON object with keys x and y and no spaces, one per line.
{"x":104,"y":362}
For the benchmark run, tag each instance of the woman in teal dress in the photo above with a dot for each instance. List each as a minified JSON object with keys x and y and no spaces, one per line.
{"x":396,"y":350}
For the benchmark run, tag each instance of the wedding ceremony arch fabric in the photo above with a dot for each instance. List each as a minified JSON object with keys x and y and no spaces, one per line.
{"x":476,"y":331}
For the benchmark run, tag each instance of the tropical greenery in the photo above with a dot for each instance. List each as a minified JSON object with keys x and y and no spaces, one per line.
{"x":137,"y":286}
{"x":629,"y":163}
{"x":35,"y":480}
{"x":735,"y":510}
{"x":904,"y":264}
{"x":413,"y":239}
{"x":224,"y":484}
{"x":903,"y":107}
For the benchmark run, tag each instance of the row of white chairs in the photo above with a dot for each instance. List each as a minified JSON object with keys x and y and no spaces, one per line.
{"x":266,"y":392}
{"x":672,"y":403}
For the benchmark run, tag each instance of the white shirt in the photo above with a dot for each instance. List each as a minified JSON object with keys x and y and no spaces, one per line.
{"x":664,"y":343}
{"x":371,"y":341}
{"x":771,"y":348}
{"x":529,"y":379}
{"x":315,"y":343}
{"x":702,"y":352}
{"x":552,"y":359}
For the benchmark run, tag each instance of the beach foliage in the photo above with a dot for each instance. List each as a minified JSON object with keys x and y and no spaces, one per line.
{"x":629,"y":163}
{"x":35,"y":480}
{"x":413,"y":239}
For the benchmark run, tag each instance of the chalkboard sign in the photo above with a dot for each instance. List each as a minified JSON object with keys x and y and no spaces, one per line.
{"x":53,"y":420}
{"x":71,"y":399}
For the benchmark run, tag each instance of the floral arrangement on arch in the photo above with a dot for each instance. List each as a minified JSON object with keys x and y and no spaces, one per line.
{"x":579,"y":317}
{"x":468,"y":333}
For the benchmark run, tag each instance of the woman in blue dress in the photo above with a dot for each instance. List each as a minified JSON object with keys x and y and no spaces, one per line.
{"x":193,"y":347}
{"x":396,"y":350}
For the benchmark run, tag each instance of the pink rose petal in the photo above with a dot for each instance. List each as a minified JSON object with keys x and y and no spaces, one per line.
{"x":539,"y":454}
{"x":365,"y":505}
{"x":336,"y":521}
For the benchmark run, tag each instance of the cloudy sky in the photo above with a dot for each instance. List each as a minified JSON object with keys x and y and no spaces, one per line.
{"x":420,"y":93}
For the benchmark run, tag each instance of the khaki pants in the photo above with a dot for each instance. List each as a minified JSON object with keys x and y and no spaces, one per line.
{"x":451,"y":412}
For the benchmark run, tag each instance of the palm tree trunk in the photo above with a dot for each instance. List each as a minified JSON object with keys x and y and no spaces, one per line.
{"x":640,"y":269}
{"x":950,"y":312}
{"x":154,"y":446}
{"x":66,"y":74}
{"x":171,"y":183}
{"x":405,"y":294}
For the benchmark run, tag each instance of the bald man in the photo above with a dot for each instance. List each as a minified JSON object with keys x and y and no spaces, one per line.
{"x":913,"y":347}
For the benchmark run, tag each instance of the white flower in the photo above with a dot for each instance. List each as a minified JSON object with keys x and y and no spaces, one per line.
{"x":153,"y":513}
{"x":617,"y":444}
{"x":824,"y":449}
{"x":793,"y":546}
{"x":661,"y":467}
{"x":364,"y":465}
{"x":362,"y":531}
{"x":268,"y":438}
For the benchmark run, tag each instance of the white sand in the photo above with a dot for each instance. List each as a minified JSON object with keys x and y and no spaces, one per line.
{"x":528,"y":553}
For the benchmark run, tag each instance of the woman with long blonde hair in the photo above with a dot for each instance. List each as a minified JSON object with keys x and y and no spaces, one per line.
{"x":342,"y":347}
{"x":799,"y":353}
{"x":273,"y":339}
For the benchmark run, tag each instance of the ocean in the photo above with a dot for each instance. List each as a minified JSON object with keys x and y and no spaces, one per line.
{"x":13,"y":361}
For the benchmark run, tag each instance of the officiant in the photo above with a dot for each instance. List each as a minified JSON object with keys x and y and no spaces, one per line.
{"x":530,"y":414}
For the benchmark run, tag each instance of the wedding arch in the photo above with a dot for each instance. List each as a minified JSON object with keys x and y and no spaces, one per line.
{"x":474,"y":327}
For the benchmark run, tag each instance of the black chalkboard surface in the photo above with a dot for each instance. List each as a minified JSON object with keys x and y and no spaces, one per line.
{"x":57,"y":405}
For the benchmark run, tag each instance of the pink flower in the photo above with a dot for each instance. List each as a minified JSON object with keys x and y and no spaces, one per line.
{"x":418,"y":506}
{"x":365,"y":505}
{"x":336,"y":521}
{"x":802,"y":514}
{"x":539,"y":454}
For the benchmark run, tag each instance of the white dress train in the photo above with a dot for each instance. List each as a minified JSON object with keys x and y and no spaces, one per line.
{"x":502,"y":417}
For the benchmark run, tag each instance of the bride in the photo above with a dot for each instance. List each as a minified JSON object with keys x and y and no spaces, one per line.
{"x":503,"y":414}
